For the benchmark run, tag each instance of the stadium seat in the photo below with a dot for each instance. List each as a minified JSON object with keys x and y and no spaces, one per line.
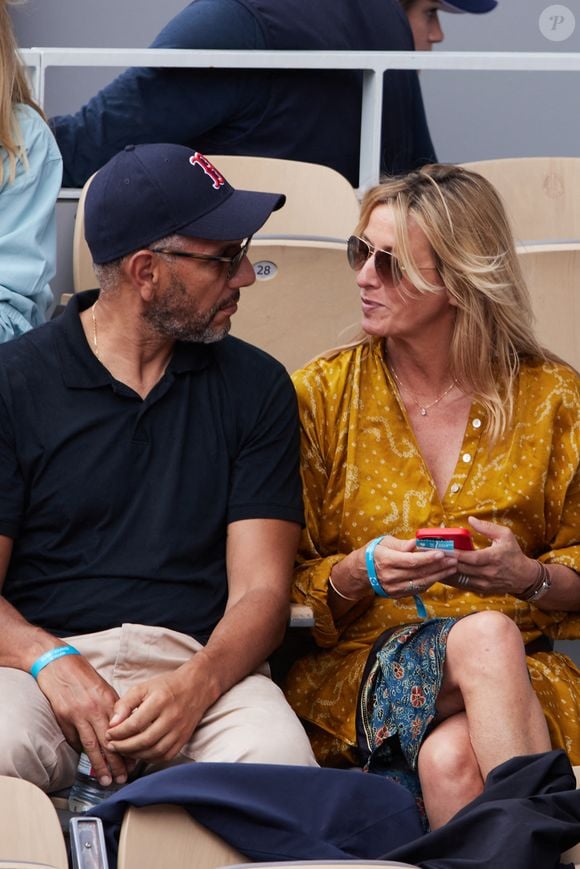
{"x":552,"y":273}
{"x":155,"y":836}
{"x":30,"y":831}
{"x":541,"y":194}
{"x":320,"y":203}
{"x":327,"y":864}
{"x":304,"y":301}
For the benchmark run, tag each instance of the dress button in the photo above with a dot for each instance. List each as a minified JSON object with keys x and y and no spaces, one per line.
{"x":455,"y":487}
{"x":466,"y":457}
{"x":476,"y":423}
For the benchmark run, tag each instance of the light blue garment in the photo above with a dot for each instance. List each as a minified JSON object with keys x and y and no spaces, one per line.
{"x":28,"y":228}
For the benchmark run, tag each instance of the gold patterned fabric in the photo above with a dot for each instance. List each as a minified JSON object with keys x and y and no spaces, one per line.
{"x":364,"y":476}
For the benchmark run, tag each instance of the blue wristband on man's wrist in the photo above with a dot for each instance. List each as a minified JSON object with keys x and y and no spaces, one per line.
{"x":50,"y":656}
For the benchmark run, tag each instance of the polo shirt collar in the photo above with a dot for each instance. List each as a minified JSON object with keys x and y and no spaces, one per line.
{"x":80,"y":367}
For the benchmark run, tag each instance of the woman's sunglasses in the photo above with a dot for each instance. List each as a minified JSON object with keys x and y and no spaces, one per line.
{"x":387,"y":266}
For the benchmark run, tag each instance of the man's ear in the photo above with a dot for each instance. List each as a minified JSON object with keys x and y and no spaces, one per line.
{"x":142,"y":270}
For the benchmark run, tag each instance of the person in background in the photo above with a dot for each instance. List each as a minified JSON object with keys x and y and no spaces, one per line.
{"x":30,"y":179}
{"x":447,"y":412}
{"x":423,"y":16}
{"x":308,"y":115}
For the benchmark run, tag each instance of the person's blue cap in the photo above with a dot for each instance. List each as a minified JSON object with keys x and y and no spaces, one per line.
{"x":149,"y":191}
{"x":474,"y":6}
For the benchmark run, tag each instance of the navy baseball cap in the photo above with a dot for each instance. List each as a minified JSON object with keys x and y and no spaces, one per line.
{"x":149,"y":191}
{"x":474,"y":6}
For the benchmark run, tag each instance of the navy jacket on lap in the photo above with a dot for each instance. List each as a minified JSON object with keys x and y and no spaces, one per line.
{"x":272,"y":812}
{"x":527,"y":815}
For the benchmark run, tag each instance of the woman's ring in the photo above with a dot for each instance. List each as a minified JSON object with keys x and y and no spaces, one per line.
{"x":412,"y":588}
{"x":463,"y":579}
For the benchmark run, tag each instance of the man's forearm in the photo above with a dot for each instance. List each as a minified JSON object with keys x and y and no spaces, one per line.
{"x":21,"y":643}
{"x":243,"y":639}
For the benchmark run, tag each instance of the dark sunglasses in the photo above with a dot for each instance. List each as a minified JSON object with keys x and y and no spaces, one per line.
{"x":387,"y":266}
{"x":234,"y":262}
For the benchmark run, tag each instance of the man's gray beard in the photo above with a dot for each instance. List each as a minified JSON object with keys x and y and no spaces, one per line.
{"x":173,"y":317}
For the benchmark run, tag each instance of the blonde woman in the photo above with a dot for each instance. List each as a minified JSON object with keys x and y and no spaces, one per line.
{"x":30,"y":177}
{"x":447,"y":413}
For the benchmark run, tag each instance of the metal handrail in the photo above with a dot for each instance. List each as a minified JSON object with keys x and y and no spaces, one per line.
{"x":372,"y":64}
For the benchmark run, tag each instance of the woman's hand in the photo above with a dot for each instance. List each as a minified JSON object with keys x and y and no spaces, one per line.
{"x":401,"y":569}
{"x":501,"y":568}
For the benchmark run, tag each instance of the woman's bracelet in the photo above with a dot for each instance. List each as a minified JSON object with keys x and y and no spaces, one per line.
{"x":539,"y":587}
{"x":50,"y":656}
{"x":339,"y":593}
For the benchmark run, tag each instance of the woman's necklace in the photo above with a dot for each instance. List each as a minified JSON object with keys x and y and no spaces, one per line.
{"x":422,"y":408}
{"x":95,"y":342}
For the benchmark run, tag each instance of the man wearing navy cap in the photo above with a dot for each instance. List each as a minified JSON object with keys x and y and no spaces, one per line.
{"x":150,"y":502}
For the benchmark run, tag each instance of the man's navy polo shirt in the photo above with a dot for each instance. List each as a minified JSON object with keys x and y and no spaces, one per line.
{"x":119,"y":506}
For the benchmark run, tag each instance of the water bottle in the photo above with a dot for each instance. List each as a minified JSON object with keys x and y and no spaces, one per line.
{"x":86,"y":791}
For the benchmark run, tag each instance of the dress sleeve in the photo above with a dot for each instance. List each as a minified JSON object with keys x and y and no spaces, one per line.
{"x":316,"y":555}
{"x":145,"y":105}
{"x":562,"y":488}
{"x":563,"y":499}
{"x":28,"y":230}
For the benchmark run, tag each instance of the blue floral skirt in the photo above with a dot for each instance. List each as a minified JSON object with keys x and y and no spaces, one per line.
{"x":398,"y":699}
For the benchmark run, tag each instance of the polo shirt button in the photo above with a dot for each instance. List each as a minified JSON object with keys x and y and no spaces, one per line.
{"x":455,"y":487}
{"x":476,"y":423}
{"x":466,"y":457}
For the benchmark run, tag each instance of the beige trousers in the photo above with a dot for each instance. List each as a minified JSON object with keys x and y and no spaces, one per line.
{"x":252,"y":722}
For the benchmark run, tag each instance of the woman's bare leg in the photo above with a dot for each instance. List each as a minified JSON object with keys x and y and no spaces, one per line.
{"x":486,"y":674}
{"x":448,"y":770}
{"x":486,"y":678}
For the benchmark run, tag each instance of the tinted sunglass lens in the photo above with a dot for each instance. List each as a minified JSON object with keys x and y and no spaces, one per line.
{"x":385,"y":266}
{"x":237,"y":260}
{"x":357,"y":252}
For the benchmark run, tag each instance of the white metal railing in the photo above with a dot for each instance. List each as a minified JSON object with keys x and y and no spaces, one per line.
{"x":373,"y":64}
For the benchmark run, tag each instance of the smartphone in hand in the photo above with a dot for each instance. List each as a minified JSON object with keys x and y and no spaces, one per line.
{"x":444,"y":538}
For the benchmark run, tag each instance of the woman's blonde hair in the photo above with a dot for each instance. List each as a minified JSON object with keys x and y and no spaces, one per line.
{"x":14,"y":88}
{"x":465,"y":223}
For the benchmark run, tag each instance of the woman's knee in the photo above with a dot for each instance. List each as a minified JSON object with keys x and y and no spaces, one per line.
{"x":486,"y":638}
{"x":447,"y":757}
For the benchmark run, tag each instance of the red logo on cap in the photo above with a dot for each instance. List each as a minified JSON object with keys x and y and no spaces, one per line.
{"x":210,"y":170}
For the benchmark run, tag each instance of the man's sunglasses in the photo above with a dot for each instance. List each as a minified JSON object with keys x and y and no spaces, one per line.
{"x":234,"y":262}
{"x":387,"y":266}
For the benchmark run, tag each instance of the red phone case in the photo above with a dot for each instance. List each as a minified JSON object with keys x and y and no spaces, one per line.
{"x":460,"y":537}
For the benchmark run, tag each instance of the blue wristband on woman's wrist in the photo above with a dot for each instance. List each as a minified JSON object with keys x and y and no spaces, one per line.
{"x":371,"y":569}
{"x":50,"y":656}
{"x":373,"y":579}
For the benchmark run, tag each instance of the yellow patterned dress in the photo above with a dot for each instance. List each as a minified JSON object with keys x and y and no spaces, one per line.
{"x":364,"y":476}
